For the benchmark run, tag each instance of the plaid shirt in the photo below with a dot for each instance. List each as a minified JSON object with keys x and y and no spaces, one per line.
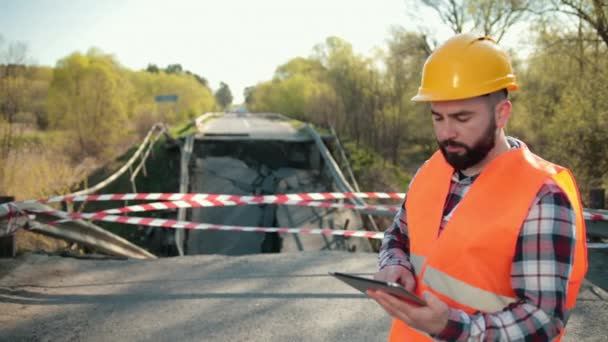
{"x":539,"y":274}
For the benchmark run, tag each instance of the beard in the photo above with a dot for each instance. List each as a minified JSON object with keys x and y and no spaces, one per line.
{"x":472,"y":155}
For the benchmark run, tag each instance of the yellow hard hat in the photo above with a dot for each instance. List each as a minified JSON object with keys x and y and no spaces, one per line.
{"x":465,"y":66}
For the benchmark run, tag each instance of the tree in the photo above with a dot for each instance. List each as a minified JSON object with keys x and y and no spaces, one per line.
{"x":354,"y":80}
{"x":38,"y":81}
{"x":223,"y":96}
{"x":199,"y":79}
{"x":87,"y":97}
{"x":452,"y":12}
{"x":194,"y":98}
{"x":248,"y":95}
{"x":592,"y":12}
{"x":299,"y":65}
{"x":174,"y":69}
{"x":13,"y":86}
{"x":490,"y":17}
{"x":152,"y":68}
{"x":406,"y":123}
{"x":561,"y":110}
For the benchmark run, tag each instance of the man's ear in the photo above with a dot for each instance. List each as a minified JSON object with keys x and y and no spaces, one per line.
{"x":502,"y":110}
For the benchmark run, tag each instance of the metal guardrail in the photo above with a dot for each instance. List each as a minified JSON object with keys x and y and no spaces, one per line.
{"x":184,"y":183}
{"x":597,"y":229}
{"x":337,"y":174}
{"x":345,"y":159}
{"x":81,"y":232}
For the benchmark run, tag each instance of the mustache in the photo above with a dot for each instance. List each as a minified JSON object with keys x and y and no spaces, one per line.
{"x":452,"y":143}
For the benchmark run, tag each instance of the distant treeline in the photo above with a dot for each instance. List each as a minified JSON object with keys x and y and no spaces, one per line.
{"x":94,"y":100}
{"x":561,"y":111}
{"x":88,"y":108}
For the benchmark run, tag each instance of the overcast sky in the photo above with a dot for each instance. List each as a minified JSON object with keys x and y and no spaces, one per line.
{"x":239,"y":42}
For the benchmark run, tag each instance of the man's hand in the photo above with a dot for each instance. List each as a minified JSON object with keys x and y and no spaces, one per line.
{"x":431,"y":318}
{"x":397,"y":274}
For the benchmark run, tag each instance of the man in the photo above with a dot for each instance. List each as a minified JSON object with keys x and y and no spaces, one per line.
{"x":491,"y":235}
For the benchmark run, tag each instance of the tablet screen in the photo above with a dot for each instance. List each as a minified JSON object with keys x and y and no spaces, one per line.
{"x":363,"y":284}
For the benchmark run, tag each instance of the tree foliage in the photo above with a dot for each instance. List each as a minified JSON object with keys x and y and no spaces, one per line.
{"x":560,"y":110}
{"x":13,"y":90}
{"x":193,"y":97}
{"x":57,"y":123}
{"x":563,"y":112}
{"x":89,"y":98}
{"x":99,"y":103}
{"x":593,"y":12}
{"x":363,"y":98}
{"x":223,"y":96}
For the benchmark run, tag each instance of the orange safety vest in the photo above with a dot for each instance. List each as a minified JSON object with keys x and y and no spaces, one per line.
{"x":468,"y":266}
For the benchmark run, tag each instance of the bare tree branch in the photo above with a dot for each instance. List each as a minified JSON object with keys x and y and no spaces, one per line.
{"x":593,"y":12}
{"x":491,"y":17}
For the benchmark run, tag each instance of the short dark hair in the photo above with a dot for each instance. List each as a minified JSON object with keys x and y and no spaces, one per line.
{"x":493,"y":98}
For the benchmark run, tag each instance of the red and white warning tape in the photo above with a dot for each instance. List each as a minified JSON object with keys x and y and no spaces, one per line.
{"x":215,"y":200}
{"x":193,"y":200}
{"x":595,"y":216}
{"x":241,"y":202}
{"x":164,"y":223}
{"x":315,"y":196}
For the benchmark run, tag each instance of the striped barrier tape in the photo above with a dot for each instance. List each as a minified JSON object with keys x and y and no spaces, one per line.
{"x":167,"y":223}
{"x":221,"y":203}
{"x":223,"y":200}
{"x":215,"y":200}
{"x":595,"y":216}
{"x":315,"y":196}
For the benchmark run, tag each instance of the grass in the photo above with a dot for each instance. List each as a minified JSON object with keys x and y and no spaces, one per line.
{"x":35,"y":168}
{"x":38,"y":139}
{"x":36,"y":172}
{"x":39,"y":167}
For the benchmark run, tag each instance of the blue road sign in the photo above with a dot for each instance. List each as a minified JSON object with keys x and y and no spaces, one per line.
{"x":166,"y":98}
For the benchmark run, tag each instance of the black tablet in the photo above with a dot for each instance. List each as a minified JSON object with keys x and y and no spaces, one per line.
{"x":363,"y":284}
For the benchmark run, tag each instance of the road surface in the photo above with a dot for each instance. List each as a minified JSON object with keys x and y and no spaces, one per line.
{"x":259,"y":126}
{"x":270,"y":297}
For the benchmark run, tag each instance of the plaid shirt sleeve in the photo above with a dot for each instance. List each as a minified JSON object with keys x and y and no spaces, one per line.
{"x":539,"y":276}
{"x":395,"y":247}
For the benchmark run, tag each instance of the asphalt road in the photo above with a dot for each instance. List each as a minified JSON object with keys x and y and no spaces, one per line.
{"x":252,"y":126}
{"x":278,"y":297}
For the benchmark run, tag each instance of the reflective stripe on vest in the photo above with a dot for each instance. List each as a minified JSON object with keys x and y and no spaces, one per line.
{"x":464,"y":293}
{"x":459,"y":290}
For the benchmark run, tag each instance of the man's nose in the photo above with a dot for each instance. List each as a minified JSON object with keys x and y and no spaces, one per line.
{"x":446,"y":131}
